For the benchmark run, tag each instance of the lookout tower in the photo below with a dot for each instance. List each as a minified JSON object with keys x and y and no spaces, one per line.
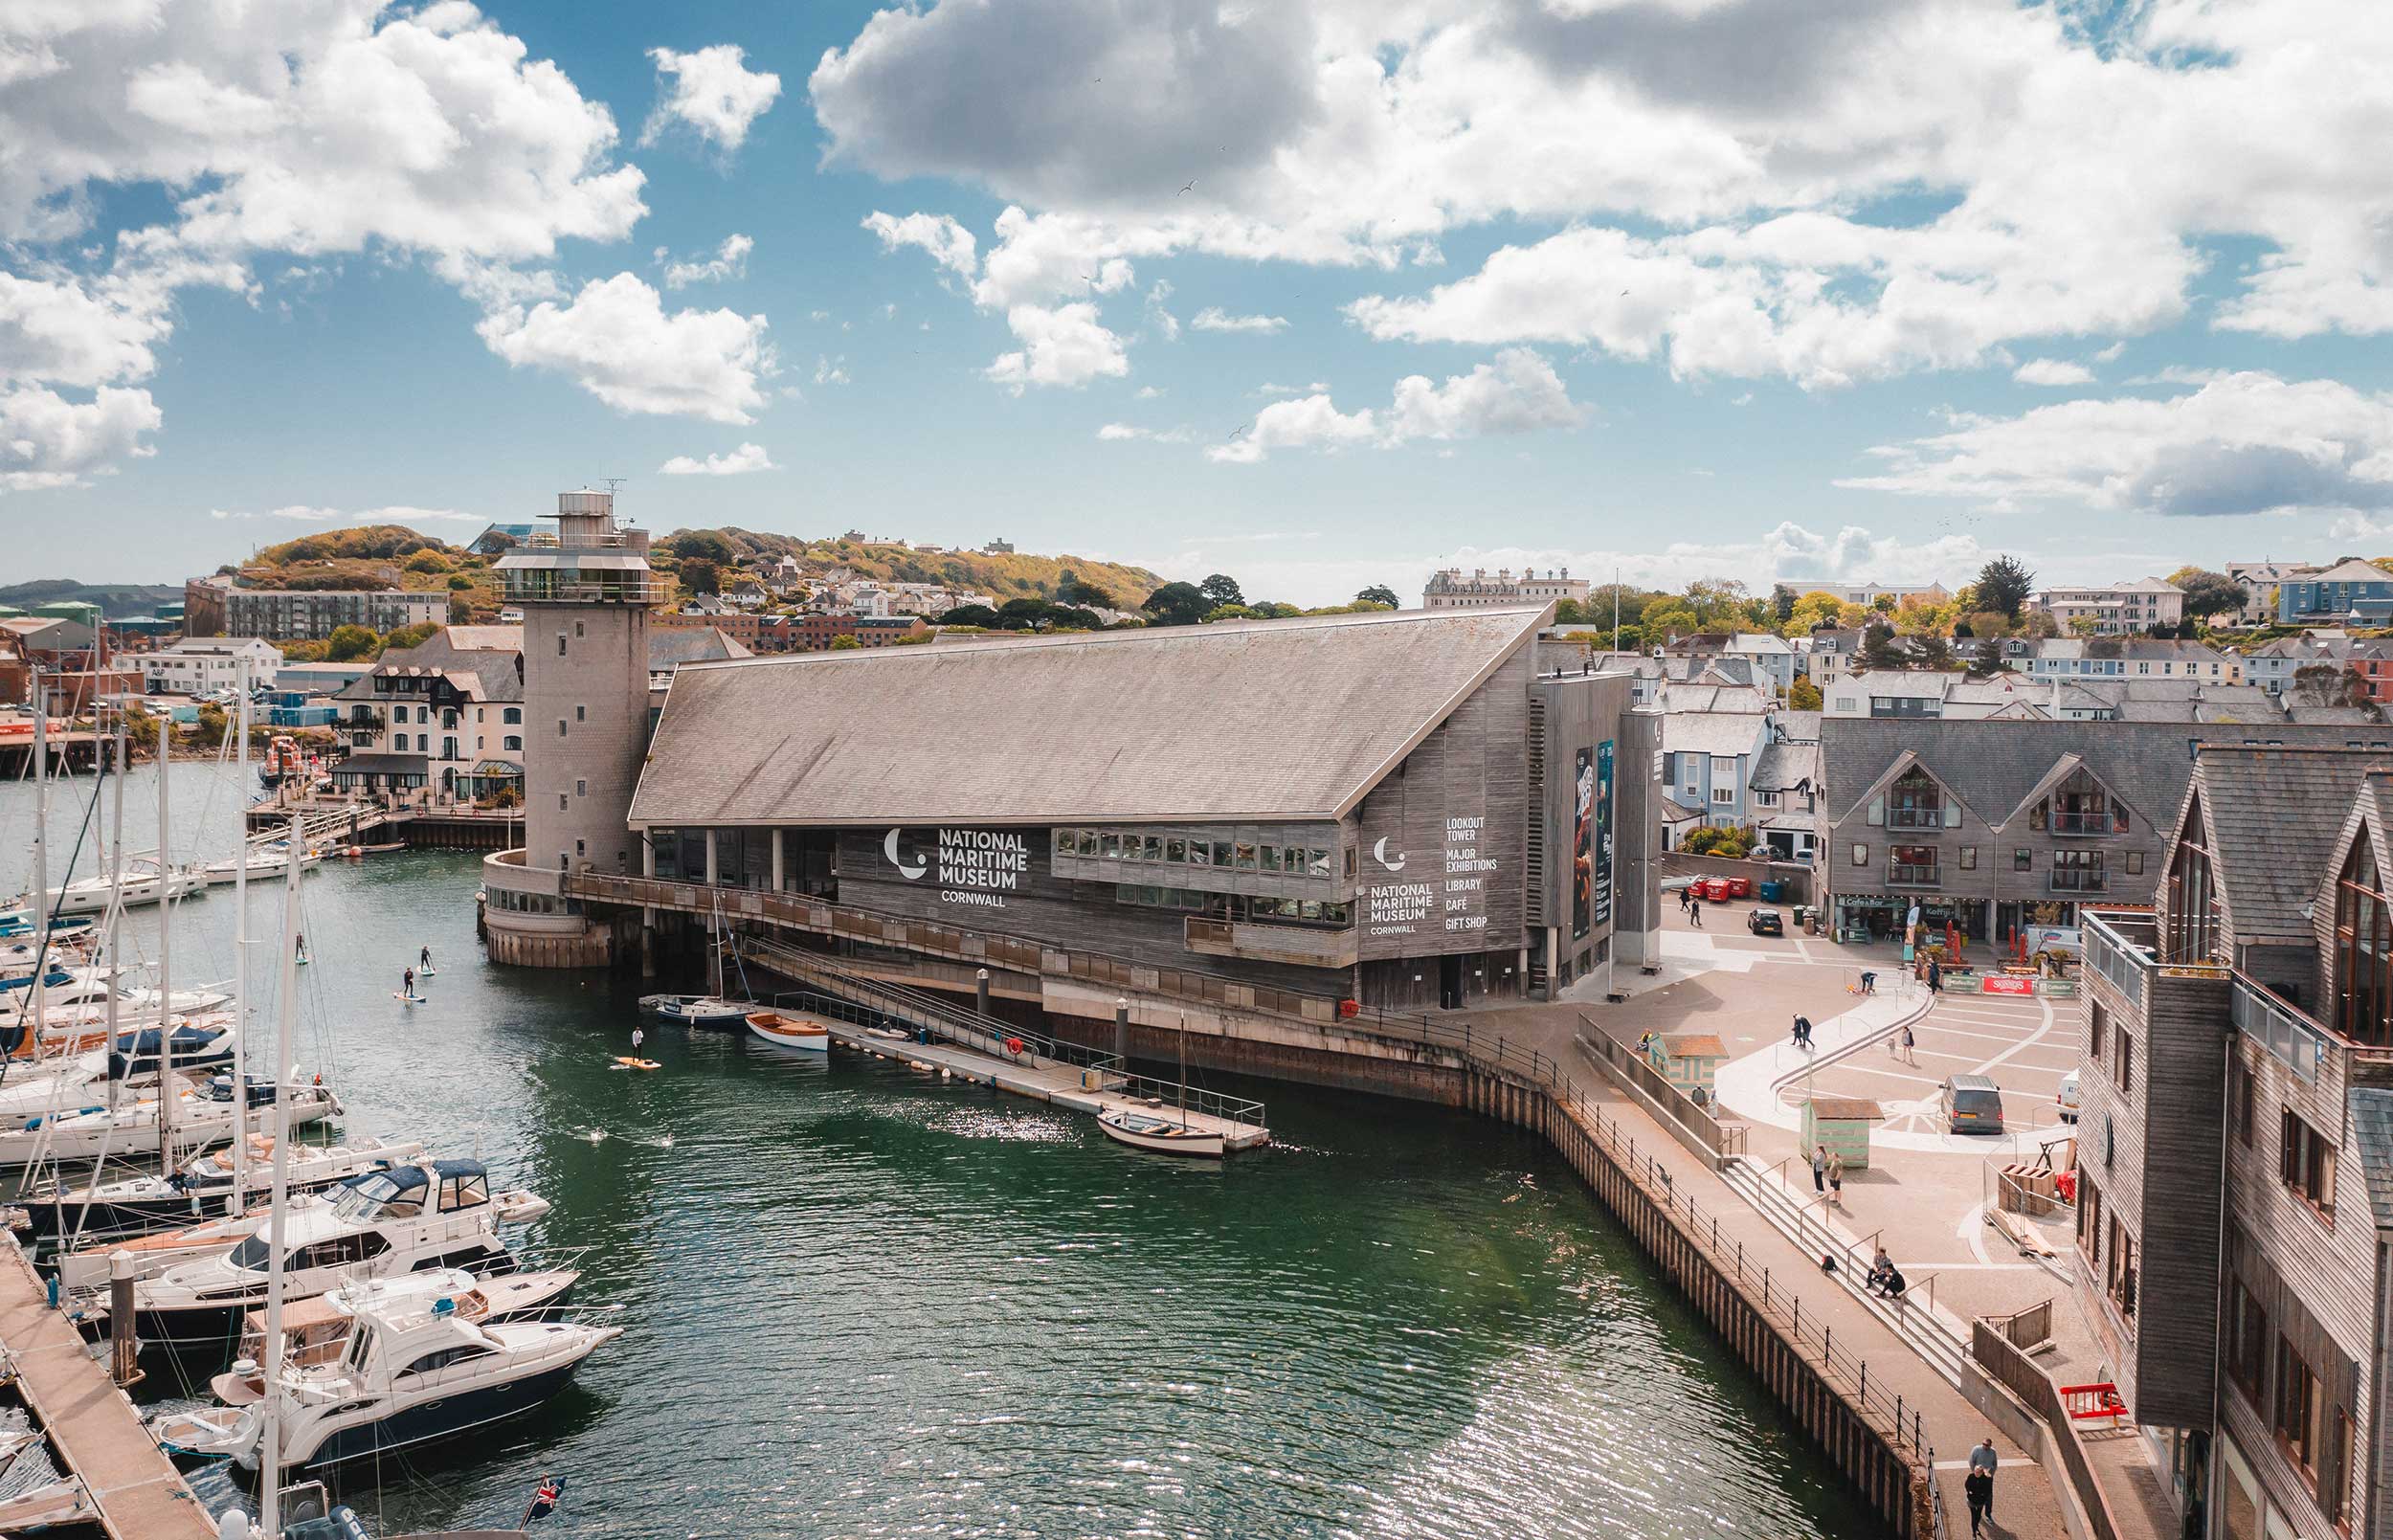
{"x":584,"y":592}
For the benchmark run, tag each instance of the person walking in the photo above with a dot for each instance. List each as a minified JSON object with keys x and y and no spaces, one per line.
{"x":1695,"y":911}
{"x":1836,"y":1179}
{"x":1935,"y":976}
{"x":1910,"y":1045}
{"x":1820,"y":1168}
{"x":1983,"y":1462}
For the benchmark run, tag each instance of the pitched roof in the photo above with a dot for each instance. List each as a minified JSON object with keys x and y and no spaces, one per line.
{"x":1711,"y":732}
{"x":2350,"y":570}
{"x":1275,"y":719}
{"x":1991,"y":766}
{"x":2272,"y":817}
{"x":1780,"y":767}
{"x":1798,"y":726}
{"x":675,"y":646}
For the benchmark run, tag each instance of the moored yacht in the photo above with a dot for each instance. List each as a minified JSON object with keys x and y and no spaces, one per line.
{"x":205,"y":1113}
{"x":202,"y":1187}
{"x":145,"y":880}
{"x":697,"y":1011}
{"x":401,"y":1364}
{"x":431,"y":1214}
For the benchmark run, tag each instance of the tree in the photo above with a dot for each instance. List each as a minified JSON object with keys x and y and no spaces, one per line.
{"x":1813,"y":610}
{"x":1714,"y":601}
{"x":458,"y":582}
{"x":2004,"y":584}
{"x":428,"y":560}
{"x":2038,"y":624}
{"x":406,"y":637}
{"x":2085,"y":625}
{"x":1179,"y":604}
{"x":1221,"y":589}
{"x":2329,"y":685}
{"x":1381,"y":593}
{"x":1877,"y":647}
{"x":349,"y":643}
{"x":704,"y":544}
{"x":969,"y":614}
{"x":2207,"y":593}
{"x":1782,"y":603}
{"x":701,"y":578}
{"x":1804,"y":696}
{"x":846,"y":644}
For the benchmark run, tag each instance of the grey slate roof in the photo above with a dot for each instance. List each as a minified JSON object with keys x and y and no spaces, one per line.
{"x":2273,"y":815}
{"x":673,"y":646}
{"x":1244,"y":719}
{"x":1780,"y":767}
{"x":1992,"y":765}
{"x":1711,"y":732}
{"x":2372,"y":1138}
{"x":1798,"y":727}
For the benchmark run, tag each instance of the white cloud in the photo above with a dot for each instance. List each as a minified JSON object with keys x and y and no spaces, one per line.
{"x":729,"y":262}
{"x":616,"y":340}
{"x":712,"y":92}
{"x":1167,"y":324}
{"x":1148,"y":392}
{"x":391,"y":513}
{"x":1064,"y":346}
{"x":1212,"y":318}
{"x":2052,"y":372}
{"x":47,"y":440}
{"x":1122,"y":432}
{"x":950,"y":244}
{"x":829,"y":371}
{"x":1517,"y":394}
{"x":2240,"y":444}
{"x":744,"y":461}
{"x":1830,"y":195}
{"x":1267,"y":387}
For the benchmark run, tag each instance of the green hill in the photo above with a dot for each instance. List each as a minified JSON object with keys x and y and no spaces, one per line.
{"x":1013,"y":575}
{"x":117,"y":602}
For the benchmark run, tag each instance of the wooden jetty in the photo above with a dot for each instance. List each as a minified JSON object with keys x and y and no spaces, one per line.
{"x":92,"y":1427}
{"x":1042,"y":1080}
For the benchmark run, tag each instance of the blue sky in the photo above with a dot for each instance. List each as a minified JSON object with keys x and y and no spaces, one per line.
{"x":1681,"y":287}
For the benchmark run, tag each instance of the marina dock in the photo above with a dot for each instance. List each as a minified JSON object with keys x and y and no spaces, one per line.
{"x":1077,"y":1089}
{"x":93,"y":1431}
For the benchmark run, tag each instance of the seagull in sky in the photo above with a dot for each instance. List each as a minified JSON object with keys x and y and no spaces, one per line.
{"x":1191,"y":188}
{"x":1242,"y":428}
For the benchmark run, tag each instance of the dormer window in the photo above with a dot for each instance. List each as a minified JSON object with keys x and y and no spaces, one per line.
{"x":1916,"y":801}
{"x":2363,"y":950}
{"x":2080,"y":807}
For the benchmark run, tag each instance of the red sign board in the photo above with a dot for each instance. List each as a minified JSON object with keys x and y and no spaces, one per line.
{"x":2005,"y":984}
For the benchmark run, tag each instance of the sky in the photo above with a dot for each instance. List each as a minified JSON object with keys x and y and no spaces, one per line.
{"x":1319,"y":293}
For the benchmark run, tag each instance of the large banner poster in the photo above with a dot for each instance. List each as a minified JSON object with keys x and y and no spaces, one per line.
{"x":1582,"y":846}
{"x":1604,"y":833}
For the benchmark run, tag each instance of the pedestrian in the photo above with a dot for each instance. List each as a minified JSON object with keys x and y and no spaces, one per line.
{"x":639,"y":1036}
{"x":1820,"y":1168}
{"x":1978,"y":1487}
{"x":1828,"y":1262}
{"x":1982,"y":1465}
{"x":1911,"y":1044}
{"x":1836,"y":1179}
{"x":1696,"y":912}
{"x":1935,"y":976}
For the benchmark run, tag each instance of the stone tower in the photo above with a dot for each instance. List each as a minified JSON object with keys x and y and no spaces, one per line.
{"x":585,"y":594}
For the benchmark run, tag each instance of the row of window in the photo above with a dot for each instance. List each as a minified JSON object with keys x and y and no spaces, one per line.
{"x":512,"y":742}
{"x":1236,"y":905}
{"x":2289,"y":1394}
{"x":505,"y":898}
{"x":510,"y":714}
{"x":2072,"y":870}
{"x":1178,"y":850}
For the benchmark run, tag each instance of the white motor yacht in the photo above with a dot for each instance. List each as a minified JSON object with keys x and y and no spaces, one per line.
{"x":402,"y":1362}
{"x":202,"y":1187}
{"x":431,"y":1214}
{"x":204,"y":1114}
{"x":146,"y":879}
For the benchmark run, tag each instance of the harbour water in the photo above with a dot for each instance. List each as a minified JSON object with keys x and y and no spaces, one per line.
{"x":862,"y":1303}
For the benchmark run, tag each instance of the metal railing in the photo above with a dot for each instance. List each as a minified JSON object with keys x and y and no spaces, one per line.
{"x":2010,"y":1366}
{"x":1724,"y":1139}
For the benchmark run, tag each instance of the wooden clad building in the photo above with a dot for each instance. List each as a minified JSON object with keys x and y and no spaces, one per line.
{"x":1396,"y":808}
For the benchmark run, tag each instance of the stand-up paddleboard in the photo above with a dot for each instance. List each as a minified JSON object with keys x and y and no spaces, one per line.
{"x":626,"y":1062}
{"x":426,"y":972}
{"x":411,"y":999}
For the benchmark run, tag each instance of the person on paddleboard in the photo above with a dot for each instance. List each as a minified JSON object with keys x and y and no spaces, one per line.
{"x":407,"y":984}
{"x":424,"y":961}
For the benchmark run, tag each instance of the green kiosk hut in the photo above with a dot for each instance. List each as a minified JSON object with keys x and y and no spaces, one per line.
{"x":1688,"y":1061}
{"x":1840,"y":1123}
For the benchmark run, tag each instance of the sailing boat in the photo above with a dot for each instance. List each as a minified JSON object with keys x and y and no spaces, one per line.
{"x":1144,"y":1130}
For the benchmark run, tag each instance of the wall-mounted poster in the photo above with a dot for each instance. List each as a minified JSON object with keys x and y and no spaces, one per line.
{"x":1582,"y":846}
{"x":1604,"y":833}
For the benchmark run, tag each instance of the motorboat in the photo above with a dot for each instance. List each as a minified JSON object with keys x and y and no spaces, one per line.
{"x":146,"y":879}
{"x":314,"y":1332}
{"x":204,"y":1114}
{"x":697,"y":1011}
{"x":400,"y":1364}
{"x":81,"y":1001}
{"x":1148,"y":1130}
{"x":263,"y":861}
{"x":791,"y":1033}
{"x":430,"y":1215}
{"x":79,"y":1080}
{"x":204,"y":1186}
{"x":19,"y":921}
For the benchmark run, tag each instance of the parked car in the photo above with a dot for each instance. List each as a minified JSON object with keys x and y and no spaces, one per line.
{"x":2067,"y":1098}
{"x":1765,"y":922}
{"x":1972,"y":1103}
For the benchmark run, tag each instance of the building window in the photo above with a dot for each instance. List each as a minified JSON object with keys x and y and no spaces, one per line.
{"x":560,"y":726}
{"x":2077,"y":871}
{"x":581,"y":788}
{"x":2097,"y":1028}
{"x":2363,"y":950}
{"x":2247,"y":1340}
{"x":581,"y":713}
{"x":511,"y":741}
{"x":578,"y":632}
{"x":560,"y":802}
{"x":2246,"y":1091}
{"x":2023,"y":861}
{"x":2123,"y":1066}
{"x":560,"y":644}
{"x":1722,"y":796}
{"x":1916,"y":801}
{"x":2295,"y":1415}
{"x":2135,"y":863}
{"x":1861,"y":855}
{"x":2119,"y":1271}
{"x":2305,"y":1162}
{"x":2189,"y":920}
{"x":1912,"y":866}
{"x":1767,"y":799}
{"x":511,"y":715}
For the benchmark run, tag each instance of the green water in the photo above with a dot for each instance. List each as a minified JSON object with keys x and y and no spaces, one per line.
{"x":862,"y":1303}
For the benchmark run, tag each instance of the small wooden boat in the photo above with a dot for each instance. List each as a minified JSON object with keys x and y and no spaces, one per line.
{"x":697,"y":1011}
{"x":1147,"y":1131}
{"x":791,"y":1033}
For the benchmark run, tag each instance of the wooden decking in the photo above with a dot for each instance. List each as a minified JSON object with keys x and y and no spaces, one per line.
{"x":92,"y":1427}
{"x":1041,"y":1080}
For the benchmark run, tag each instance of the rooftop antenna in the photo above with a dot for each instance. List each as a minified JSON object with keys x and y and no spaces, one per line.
{"x":613,"y":482}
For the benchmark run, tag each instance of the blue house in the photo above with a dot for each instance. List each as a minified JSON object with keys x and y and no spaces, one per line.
{"x":2351,"y":587}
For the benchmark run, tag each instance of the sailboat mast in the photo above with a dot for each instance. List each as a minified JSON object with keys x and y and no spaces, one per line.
{"x":1183,"y":1072}
{"x":165,"y":981}
{"x":286,"y":1006}
{"x":119,"y":747}
{"x":40,"y":1000}
{"x":240,"y":960}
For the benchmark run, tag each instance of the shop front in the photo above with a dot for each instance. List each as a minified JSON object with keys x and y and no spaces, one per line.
{"x":1883,"y":917}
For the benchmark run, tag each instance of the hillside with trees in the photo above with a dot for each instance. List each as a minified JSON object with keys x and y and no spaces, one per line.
{"x":1001,"y":575}
{"x":116,"y":600}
